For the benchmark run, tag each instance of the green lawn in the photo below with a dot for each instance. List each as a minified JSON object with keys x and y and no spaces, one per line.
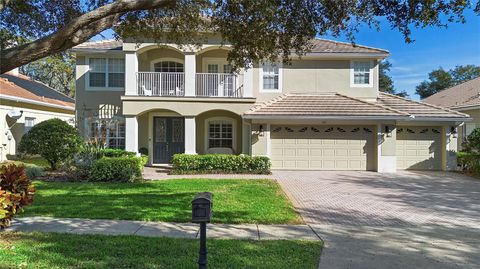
{"x":50,"y":250}
{"x":234,"y":201}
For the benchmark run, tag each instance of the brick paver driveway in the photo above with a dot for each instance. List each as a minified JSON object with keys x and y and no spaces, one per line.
{"x":402,"y":220}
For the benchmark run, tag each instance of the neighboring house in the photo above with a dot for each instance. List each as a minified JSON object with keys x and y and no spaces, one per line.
{"x":28,"y":102}
{"x":323,"y":111}
{"x":465,"y":98}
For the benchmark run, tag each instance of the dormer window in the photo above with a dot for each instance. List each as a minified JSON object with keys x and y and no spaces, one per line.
{"x":361,"y":74}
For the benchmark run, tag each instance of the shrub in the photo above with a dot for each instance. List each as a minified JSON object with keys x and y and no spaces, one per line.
{"x":469,"y":162}
{"x":54,"y":139}
{"x":220,"y":163}
{"x":472,"y":143}
{"x":108,"y":152}
{"x":117,"y":169}
{"x":31,"y":170}
{"x":84,"y":159}
{"x":16,"y":191}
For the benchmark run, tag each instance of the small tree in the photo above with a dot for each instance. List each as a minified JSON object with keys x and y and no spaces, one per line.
{"x":472,"y":144}
{"x":54,"y":140}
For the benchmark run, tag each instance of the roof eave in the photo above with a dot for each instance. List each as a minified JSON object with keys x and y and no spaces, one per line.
{"x":96,"y":51}
{"x":345,"y":55}
{"x":34,"y":102}
{"x":318,"y":117}
{"x":453,"y":119}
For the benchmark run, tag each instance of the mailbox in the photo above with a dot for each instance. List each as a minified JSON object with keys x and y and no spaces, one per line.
{"x":202,"y":207}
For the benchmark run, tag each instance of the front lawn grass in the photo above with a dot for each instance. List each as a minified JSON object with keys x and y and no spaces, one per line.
{"x":50,"y":250}
{"x":234,"y":201}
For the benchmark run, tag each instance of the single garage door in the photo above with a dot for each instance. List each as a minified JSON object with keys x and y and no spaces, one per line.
{"x":322,"y":147}
{"x":419,"y":148}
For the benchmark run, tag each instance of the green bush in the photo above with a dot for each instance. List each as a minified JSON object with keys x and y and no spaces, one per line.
{"x":469,"y":162}
{"x":220,"y":163}
{"x":108,"y":152}
{"x":472,"y":142}
{"x":16,"y":191}
{"x":54,"y":140}
{"x":117,"y":169}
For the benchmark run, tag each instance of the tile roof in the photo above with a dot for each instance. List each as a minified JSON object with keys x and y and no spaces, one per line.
{"x":21,"y":86}
{"x":338,"y":106}
{"x":331,"y":46}
{"x":322,"y":105}
{"x":417,"y":109}
{"x":461,"y":95}
{"x":102,"y":45}
{"x":316,"y":46}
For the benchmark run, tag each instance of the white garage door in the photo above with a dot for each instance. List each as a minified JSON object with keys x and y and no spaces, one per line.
{"x":419,"y":148}
{"x":322,"y":147}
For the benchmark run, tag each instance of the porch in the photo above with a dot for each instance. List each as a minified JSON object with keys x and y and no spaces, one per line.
{"x":177,"y":128}
{"x":166,"y":71}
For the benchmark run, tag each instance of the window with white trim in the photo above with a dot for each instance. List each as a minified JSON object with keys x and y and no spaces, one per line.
{"x":111,"y":134}
{"x":29,"y":123}
{"x":106,"y":73}
{"x":362,"y":73}
{"x":270,"y":77}
{"x":220,"y":134}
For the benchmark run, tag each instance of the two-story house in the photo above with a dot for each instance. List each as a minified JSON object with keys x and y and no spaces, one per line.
{"x":322,"y":111}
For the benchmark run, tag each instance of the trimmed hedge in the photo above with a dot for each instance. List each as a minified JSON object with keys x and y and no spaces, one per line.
{"x":117,"y":169}
{"x":219,"y":164}
{"x":469,"y":162}
{"x":115,"y":153}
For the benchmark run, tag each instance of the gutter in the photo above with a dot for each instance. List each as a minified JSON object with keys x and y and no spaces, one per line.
{"x":29,"y":101}
{"x":305,"y":117}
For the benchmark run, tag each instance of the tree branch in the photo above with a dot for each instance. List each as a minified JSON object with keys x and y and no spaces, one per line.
{"x":76,"y":32}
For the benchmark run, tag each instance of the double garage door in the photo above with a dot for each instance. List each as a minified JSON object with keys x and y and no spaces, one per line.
{"x":322,"y":147}
{"x":351,"y":147}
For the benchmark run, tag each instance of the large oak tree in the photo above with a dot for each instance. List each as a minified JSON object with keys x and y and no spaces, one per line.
{"x":31,"y":30}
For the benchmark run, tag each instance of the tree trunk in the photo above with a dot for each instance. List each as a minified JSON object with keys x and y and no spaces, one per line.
{"x":76,"y":32}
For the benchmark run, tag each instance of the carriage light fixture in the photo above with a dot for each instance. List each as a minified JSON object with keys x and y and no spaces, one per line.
{"x":388,"y":131}
{"x":453,"y":131}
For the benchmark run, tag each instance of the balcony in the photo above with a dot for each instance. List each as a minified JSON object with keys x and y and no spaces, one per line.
{"x":173,"y":84}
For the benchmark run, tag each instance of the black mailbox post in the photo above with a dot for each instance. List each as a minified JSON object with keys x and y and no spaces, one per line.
{"x":201,"y":213}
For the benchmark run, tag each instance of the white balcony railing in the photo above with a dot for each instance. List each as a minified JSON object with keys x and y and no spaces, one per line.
{"x":160,"y":84}
{"x":173,"y":84}
{"x":218,"y":85}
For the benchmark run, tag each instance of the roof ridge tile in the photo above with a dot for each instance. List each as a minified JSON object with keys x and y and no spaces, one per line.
{"x":377,"y":105}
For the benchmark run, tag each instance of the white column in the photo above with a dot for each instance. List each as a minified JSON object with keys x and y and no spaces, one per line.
{"x":248,"y":82}
{"x":131,"y":133}
{"x":190,"y":136}
{"x":131,"y":69}
{"x":190,"y":73}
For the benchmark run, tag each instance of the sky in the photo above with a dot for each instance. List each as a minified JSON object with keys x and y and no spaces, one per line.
{"x":458,"y":44}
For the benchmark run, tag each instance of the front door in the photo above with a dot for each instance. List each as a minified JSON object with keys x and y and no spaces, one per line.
{"x":168,"y":138}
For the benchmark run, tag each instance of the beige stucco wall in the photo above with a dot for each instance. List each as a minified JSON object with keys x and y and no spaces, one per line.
{"x":89,"y":102}
{"x":146,"y":58}
{"x":201,"y":136}
{"x":15,"y":131}
{"x":259,"y":140}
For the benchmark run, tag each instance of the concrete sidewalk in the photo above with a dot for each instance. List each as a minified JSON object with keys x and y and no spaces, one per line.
{"x":162,"y":229}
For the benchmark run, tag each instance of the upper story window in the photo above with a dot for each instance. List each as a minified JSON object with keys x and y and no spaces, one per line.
{"x":106,"y":73}
{"x":361,"y":74}
{"x":29,"y":123}
{"x":271,"y":79}
{"x":168,"y":66}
